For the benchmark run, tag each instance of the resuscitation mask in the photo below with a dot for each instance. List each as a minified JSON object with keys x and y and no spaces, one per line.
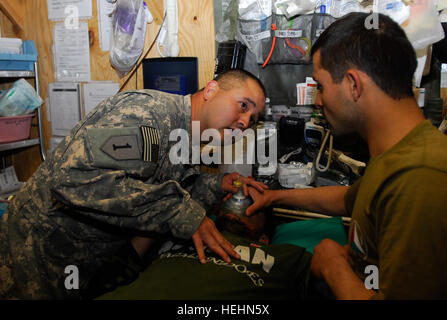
{"x":238,"y":203}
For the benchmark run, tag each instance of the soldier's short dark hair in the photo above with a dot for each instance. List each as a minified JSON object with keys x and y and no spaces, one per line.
{"x":230,"y":78}
{"x":383,"y":52}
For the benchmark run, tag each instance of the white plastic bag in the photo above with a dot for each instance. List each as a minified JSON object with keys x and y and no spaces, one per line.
{"x":291,"y":8}
{"x":18,"y":100}
{"x":291,"y":174}
{"x":395,"y":9}
{"x":423,"y":27}
{"x":254,"y":9}
{"x":339,"y":8}
{"x":128,"y":33}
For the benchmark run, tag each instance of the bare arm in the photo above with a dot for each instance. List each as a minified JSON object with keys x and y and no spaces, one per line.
{"x":330,"y":263}
{"x":327,"y":200}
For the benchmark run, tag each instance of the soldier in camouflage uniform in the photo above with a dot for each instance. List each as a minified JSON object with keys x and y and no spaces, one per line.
{"x":111,"y":179}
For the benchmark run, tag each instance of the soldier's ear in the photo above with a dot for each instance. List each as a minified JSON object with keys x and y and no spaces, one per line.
{"x":210,"y":90}
{"x":355,"y":84}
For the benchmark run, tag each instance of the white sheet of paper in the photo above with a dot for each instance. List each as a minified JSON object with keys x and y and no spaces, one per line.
{"x":64,"y":107}
{"x":8,"y":180}
{"x":71,"y":53}
{"x":96,"y":92}
{"x":104,"y":24}
{"x":56,"y":8}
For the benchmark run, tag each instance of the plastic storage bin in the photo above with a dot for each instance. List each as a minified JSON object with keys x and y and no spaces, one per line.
{"x":20,"y":62}
{"x":11,"y":45}
{"x":15,"y":128}
{"x":3,"y":207}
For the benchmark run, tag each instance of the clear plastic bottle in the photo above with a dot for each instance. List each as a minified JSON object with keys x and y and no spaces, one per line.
{"x":238,"y":203}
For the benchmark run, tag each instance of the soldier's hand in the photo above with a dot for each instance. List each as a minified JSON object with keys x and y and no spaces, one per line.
{"x":227,"y":184}
{"x":208,"y":234}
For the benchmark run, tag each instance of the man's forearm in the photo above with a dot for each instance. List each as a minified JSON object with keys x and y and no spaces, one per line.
{"x":344,"y":283}
{"x":327,"y":200}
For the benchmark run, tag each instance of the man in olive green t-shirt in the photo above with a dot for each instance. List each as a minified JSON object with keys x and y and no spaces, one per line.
{"x":398,"y":232}
{"x":398,"y":217}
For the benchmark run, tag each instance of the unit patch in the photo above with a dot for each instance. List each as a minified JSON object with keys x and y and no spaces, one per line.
{"x":122,"y":147}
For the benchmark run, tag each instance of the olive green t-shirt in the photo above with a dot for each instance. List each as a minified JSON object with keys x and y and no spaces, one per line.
{"x":399,"y":218}
{"x":263,"y":272}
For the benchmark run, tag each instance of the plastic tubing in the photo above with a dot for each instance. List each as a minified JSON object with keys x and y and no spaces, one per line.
{"x":317,"y":162}
{"x":272,"y":48}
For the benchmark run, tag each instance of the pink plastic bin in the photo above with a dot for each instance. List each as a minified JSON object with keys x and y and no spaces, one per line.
{"x":15,"y":128}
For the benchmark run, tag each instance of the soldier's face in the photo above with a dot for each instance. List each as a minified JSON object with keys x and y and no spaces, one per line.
{"x":237,"y":108}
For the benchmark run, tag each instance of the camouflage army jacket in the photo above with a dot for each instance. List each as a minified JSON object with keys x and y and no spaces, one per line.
{"x":110,"y":178}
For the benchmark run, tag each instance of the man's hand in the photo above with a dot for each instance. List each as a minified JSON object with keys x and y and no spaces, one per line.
{"x":207,"y":233}
{"x":327,"y":253}
{"x":260,"y":200}
{"x":227,"y":184}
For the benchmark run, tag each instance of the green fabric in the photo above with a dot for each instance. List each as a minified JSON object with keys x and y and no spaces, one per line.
{"x":309,"y":233}
{"x":264,"y":272}
{"x":399,"y":221}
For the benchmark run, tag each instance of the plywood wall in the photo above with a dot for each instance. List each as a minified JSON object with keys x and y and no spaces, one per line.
{"x":196,"y":38}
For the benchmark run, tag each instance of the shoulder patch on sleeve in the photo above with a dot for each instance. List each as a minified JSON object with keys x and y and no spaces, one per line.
{"x":116,"y":147}
{"x":123,"y":147}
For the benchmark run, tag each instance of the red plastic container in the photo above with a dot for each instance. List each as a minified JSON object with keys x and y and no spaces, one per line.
{"x":15,"y":128}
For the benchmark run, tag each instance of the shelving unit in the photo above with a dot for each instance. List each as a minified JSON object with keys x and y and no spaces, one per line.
{"x":29,"y":142}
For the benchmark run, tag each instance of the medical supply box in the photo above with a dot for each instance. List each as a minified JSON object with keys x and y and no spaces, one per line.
{"x":20,"y":62}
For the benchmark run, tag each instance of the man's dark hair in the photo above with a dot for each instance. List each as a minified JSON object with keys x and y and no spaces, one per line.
{"x":229,"y":78}
{"x":383,"y":53}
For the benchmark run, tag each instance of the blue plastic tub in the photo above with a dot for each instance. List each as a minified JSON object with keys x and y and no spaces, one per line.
{"x":20,"y":62}
{"x":2,"y":208}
